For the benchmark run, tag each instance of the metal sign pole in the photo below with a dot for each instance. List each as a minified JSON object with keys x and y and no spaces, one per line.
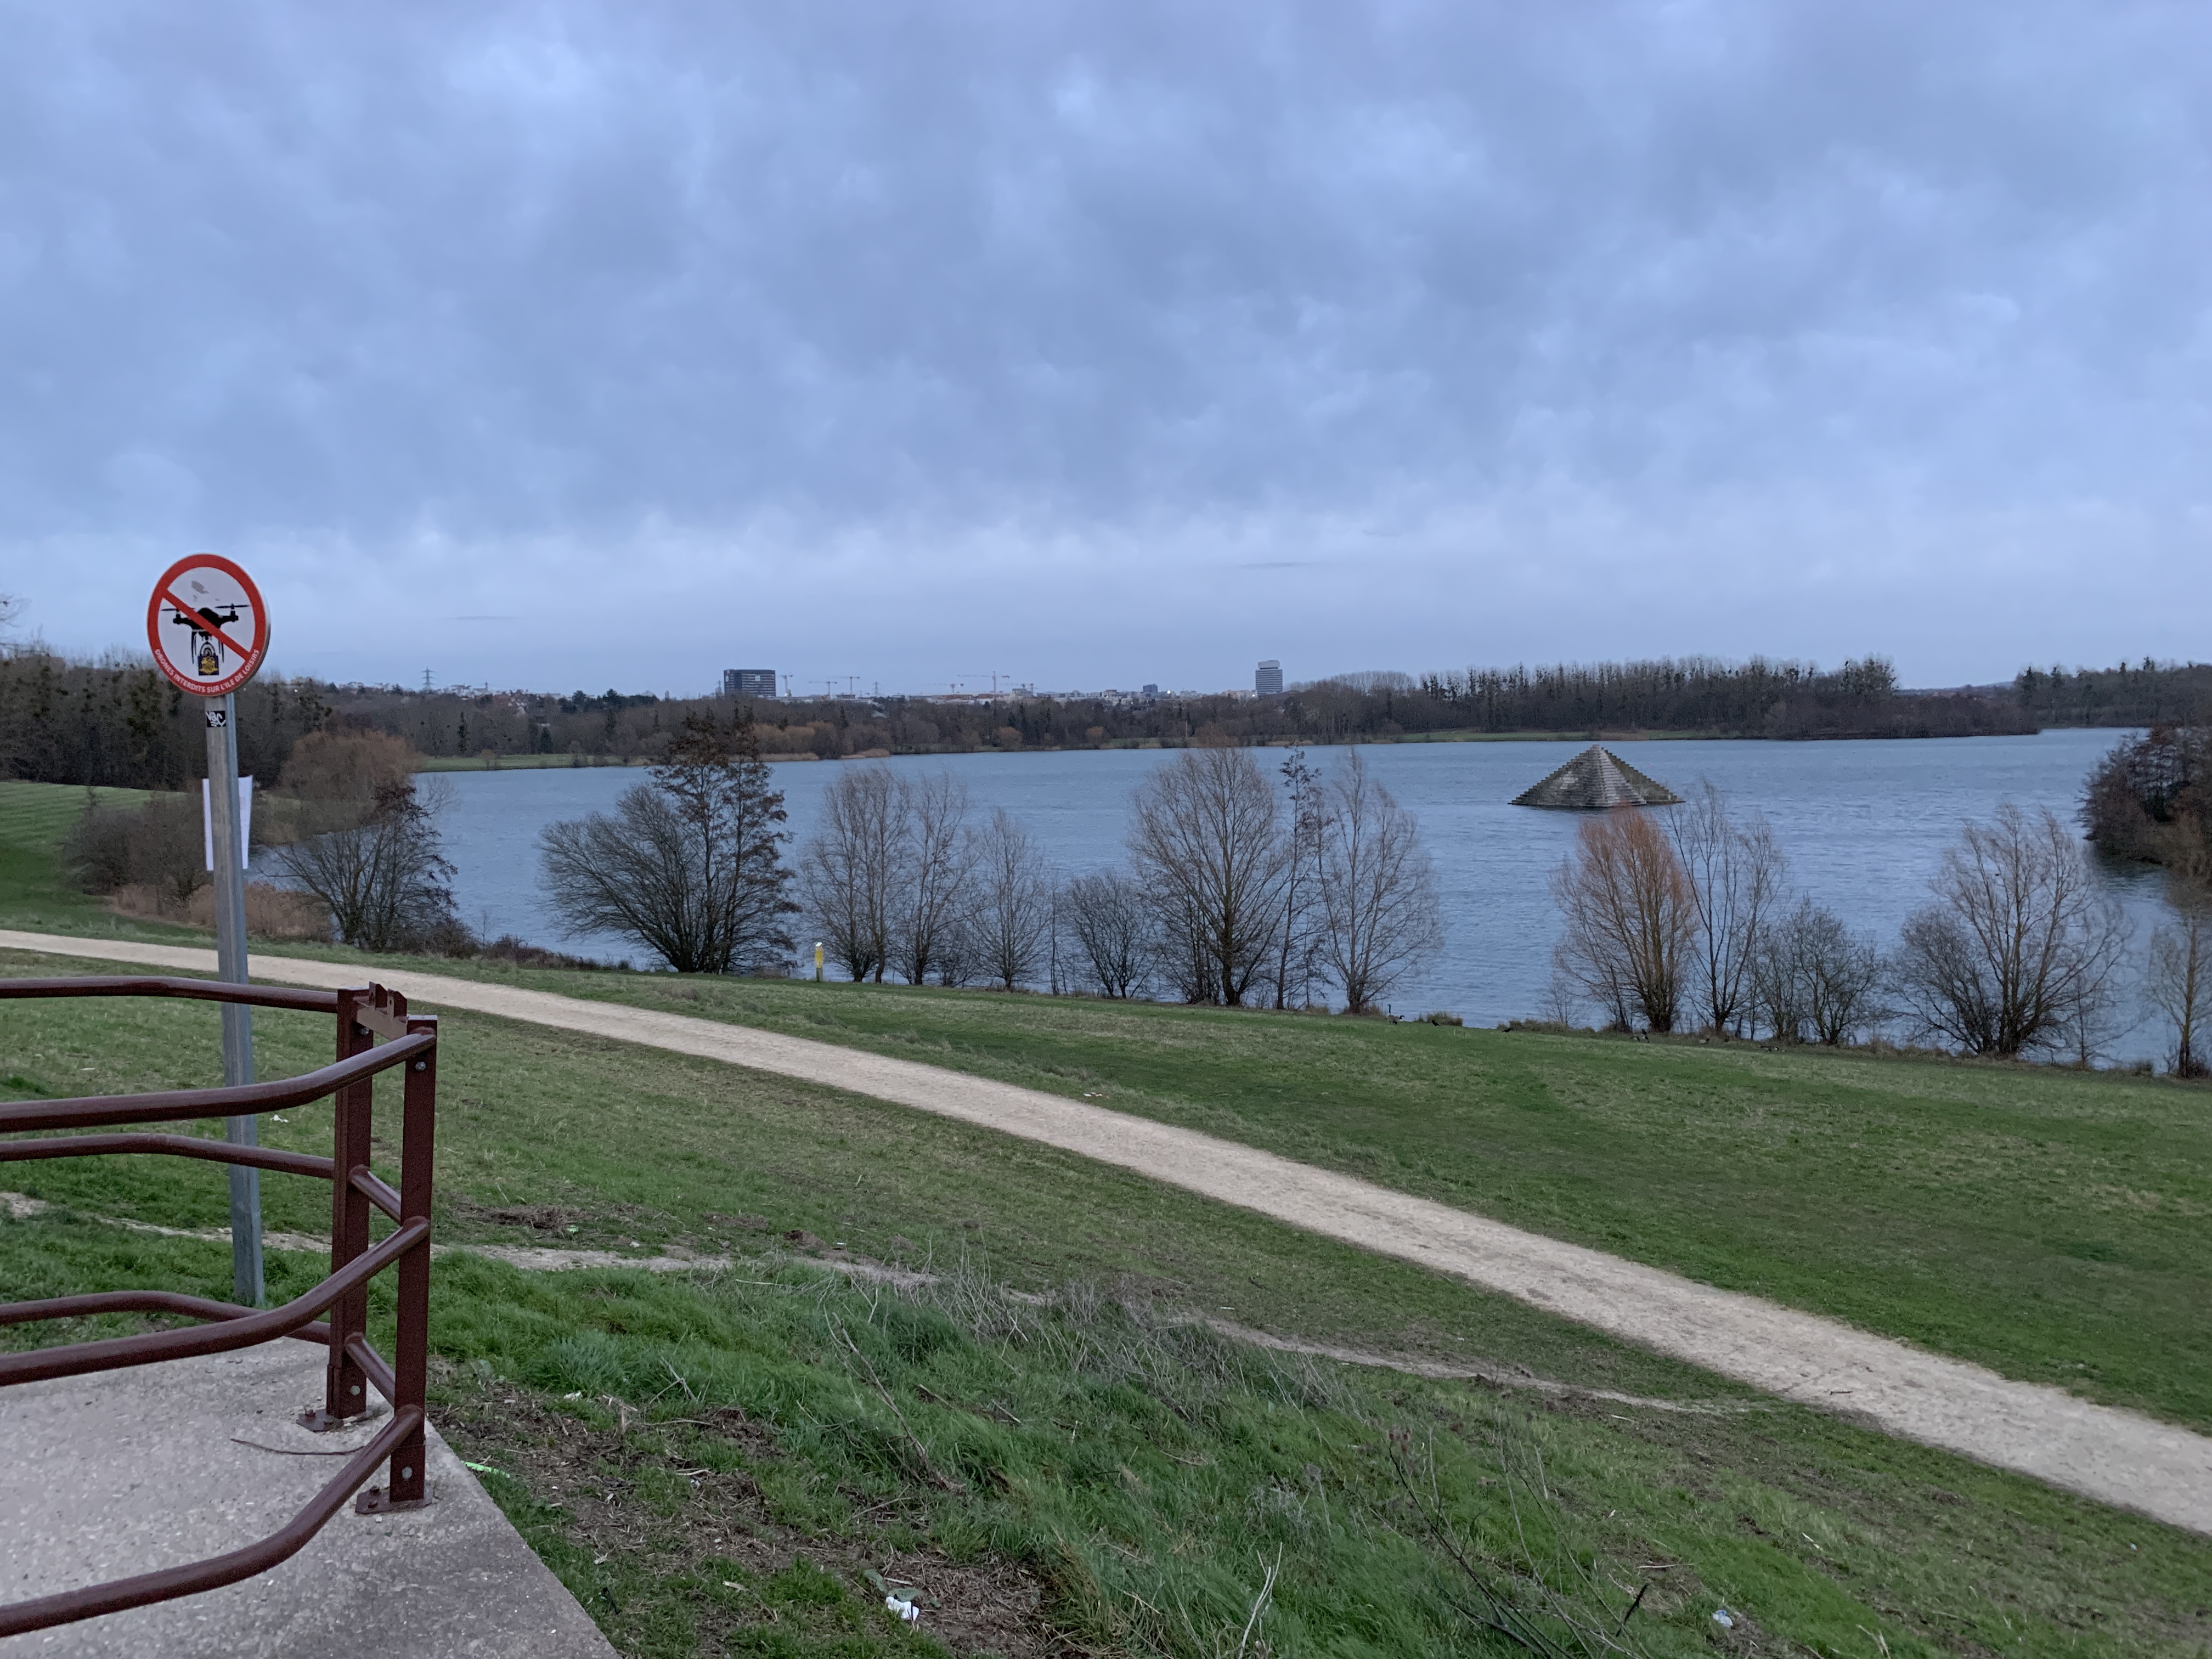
{"x":209,"y":633}
{"x":223,"y":819}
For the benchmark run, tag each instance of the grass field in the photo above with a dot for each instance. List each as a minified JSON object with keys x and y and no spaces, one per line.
{"x":36,"y":815}
{"x":714,"y":1464}
{"x":33,"y":819}
{"x":2049,"y":1224}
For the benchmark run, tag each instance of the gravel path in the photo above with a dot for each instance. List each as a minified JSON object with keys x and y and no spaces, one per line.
{"x":2119,"y":1457}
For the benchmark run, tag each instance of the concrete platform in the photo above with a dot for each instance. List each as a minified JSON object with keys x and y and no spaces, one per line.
{"x":101,"y":1477}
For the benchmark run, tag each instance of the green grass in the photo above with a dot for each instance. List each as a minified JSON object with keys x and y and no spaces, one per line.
{"x":533,"y":1148}
{"x":34,"y":818}
{"x":741,"y":1448}
{"x":2049,"y":1224}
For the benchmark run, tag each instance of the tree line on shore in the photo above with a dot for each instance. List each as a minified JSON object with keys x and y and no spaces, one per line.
{"x":1683,"y":918}
{"x":2150,"y":798}
{"x":115,"y":722}
{"x":1239,"y":889}
{"x":2146,"y":693}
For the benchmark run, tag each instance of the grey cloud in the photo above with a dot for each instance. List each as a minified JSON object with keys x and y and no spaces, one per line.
{"x":563,"y":276}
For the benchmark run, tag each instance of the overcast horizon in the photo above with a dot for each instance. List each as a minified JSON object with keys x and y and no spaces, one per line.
{"x":575,"y":345}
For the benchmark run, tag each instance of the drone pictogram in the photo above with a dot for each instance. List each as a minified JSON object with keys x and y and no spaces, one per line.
{"x":207,"y":623}
{"x":216,"y":632}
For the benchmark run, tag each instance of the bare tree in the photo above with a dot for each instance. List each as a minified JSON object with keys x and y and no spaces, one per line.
{"x":2180,"y":982}
{"x":384,"y":878}
{"x":168,"y":848}
{"x":1010,"y":918}
{"x":850,"y":867}
{"x":1811,"y":977}
{"x":1736,"y":876}
{"x":1106,"y":916}
{"x":1181,"y":957}
{"x":1205,"y":837}
{"x":689,"y":865}
{"x":1562,"y":1003}
{"x":1778,"y":984}
{"x":160,"y":846}
{"x":936,"y":857}
{"x":1378,"y":893}
{"x":1298,"y":940}
{"x":1631,"y":922}
{"x":958,"y":961}
{"x":95,"y":854}
{"x":2019,"y":943}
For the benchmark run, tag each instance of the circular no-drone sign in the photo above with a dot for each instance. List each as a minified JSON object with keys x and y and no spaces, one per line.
{"x":207,"y":625}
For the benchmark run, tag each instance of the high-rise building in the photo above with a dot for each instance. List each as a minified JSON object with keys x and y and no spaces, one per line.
{"x":1151,"y":689}
{"x":749,"y":682}
{"x":1268,"y":678}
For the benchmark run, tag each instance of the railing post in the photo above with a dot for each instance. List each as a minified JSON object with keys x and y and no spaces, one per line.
{"x":364,"y":1016}
{"x":410,"y":1354}
{"x":346,"y":1394}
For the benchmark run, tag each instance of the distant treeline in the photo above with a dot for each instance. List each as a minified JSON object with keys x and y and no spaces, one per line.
{"x":1756,"y":699}
{"x":2148,"y":693}
{"x":117,"y":722}
{"x":114,"y":722}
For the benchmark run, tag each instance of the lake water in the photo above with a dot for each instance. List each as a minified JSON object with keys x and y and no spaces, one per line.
{"x":1863,"y":825}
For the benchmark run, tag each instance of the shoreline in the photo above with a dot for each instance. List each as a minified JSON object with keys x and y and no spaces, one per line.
{"x":535,"y":762}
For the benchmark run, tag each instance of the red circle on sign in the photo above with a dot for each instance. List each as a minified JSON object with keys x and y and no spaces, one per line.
{"x":207,"y":626}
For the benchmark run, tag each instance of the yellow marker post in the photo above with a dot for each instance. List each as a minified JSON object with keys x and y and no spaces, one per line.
{"x":817,"y":960}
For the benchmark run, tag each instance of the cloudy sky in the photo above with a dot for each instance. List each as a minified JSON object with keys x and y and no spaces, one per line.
{"x":575,"y":345}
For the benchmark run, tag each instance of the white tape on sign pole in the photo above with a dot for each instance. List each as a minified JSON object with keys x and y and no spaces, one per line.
{"x":244,"y":825}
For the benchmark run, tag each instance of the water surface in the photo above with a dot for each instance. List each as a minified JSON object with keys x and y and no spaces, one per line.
{"x":1864,"y":824}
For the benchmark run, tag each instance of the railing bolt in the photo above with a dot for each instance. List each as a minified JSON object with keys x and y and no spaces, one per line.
{"x":406,"y":1474}
{"x":421,"y":1065}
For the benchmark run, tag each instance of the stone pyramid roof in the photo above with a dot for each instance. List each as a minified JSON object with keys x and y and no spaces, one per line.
{"x":1597,"y":778}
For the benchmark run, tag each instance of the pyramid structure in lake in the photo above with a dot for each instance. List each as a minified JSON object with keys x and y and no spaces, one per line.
{"x":1594,"y":779}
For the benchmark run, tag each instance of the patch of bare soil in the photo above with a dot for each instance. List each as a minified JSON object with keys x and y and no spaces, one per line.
{"x":538,"y":1217}
{"x":556,"y":1219}
{"x":751,"y":1223}
{"x":597,"y":1476}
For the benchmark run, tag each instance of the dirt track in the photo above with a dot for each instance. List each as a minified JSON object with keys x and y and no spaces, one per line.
{"x":2118,"y":1457}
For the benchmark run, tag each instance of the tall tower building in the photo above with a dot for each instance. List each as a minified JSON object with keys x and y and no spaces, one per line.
{"x":749,"y":682}
{"x":1268,"y":678}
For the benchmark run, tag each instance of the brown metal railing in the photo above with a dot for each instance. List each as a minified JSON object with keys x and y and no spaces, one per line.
{"x":410,"y":1040}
